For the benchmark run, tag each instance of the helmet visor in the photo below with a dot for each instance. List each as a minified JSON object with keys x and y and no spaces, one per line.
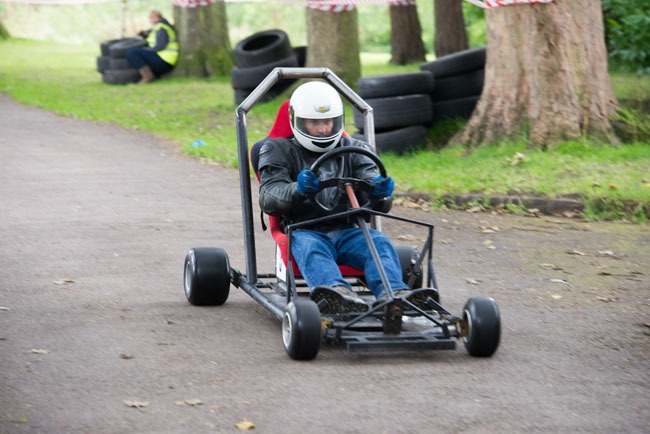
{"x":321,"y":132}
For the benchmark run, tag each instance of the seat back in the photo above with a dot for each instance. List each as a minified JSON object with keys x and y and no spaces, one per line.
{"x":282,"y":128}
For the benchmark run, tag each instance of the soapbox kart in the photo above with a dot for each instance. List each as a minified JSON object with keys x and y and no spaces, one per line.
{"x":391,"y":324}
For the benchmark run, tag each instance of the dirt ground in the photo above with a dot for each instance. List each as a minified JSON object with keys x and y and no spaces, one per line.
{"x":96,"y":335}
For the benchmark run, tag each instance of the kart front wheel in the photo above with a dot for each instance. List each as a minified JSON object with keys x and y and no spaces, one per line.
{"x":483,"y":326}
{"x":207,"y":276}
{"x":301,"y":329}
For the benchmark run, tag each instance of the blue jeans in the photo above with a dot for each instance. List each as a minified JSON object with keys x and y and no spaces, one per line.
{"x":139,"y":57}
{"x":318,"y":253}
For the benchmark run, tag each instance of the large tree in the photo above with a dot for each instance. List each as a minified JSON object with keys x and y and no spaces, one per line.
{"x":450,"y":35}
{"x":204,"y":42}
{"x":546,"y":76}
{"x":405,"y":35}
{"x":333,"y":41}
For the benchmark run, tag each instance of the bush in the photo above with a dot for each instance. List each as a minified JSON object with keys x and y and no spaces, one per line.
{"x":627,"y":34}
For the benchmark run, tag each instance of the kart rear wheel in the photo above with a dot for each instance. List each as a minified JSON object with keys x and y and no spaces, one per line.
{"x":483,"y":322}
{"x":207,"y":276}
{"x":407,"y":255}
{"x":301,"y":329}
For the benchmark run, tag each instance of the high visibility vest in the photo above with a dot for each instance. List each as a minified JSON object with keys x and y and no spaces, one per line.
{"x":170,"y":53}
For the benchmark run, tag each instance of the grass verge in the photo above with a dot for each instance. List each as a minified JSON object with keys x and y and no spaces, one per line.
{"x":613,"y":181}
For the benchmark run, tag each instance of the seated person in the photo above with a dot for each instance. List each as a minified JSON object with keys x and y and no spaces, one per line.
{"x":287,"y":189}
{"x":161,"y":54}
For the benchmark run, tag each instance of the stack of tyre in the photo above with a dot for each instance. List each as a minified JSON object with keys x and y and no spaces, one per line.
{"x":112,"y":63}
{"x":459,"y":82}
{"x":402,"y":109}
{"x":256,"y":56}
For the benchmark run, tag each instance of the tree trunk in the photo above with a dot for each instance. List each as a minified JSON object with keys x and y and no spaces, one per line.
{"x":406,"y":35}
{"x":333,"y":41}
{"x":4,"y":34}
{"x":546,"y":76}
{"x":451,"y":35}
{"x":203,"y":39}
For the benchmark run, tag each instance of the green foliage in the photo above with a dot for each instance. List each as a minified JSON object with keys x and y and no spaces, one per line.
{"x":627,"y":32}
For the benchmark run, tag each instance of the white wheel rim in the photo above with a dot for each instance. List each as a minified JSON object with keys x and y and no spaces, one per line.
{"x":188,"y":278}
{"x":287,"y":330}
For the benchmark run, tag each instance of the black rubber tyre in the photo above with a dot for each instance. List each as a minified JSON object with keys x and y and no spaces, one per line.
{"x":206,"y":276}
{"x":459,"y":86}
{"x":456,"y":63}
{"x":483,"y":326}
{"x":400,"y":140}
{"x":119,"y":63}
{"x":301,"y":55}
{"x":121,"y":76}
{"x":406,"y":255}
{"x":104,"y":46}
{"x":382,"y":86}
{"x":249,"y":78}
{"x":455,"y":108}
{"x":102,"y":63}
{"x":274,"y":92}
{"x":301,"y":329}
{"x":120,"y":48}
{"x":262,"y":48}
{"x":398,"y":111}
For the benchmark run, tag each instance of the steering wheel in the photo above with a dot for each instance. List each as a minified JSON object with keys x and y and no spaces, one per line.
{"x":341,"y":183}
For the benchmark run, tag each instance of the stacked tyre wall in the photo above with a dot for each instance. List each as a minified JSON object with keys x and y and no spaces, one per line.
{"x":112,"y":63}
{"x":402,"y":109}
{"x":459,"y":82}
{"x":256,"y":56}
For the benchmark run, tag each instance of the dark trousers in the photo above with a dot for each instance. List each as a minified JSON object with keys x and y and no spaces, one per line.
{"x":140,"y":57}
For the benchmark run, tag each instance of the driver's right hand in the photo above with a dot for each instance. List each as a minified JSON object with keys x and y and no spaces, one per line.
{"x":308,"y":182}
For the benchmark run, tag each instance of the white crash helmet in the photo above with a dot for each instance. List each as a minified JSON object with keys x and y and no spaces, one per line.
{"x":316,"y":100}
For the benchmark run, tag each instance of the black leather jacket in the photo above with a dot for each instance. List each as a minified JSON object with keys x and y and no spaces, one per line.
{"x":280,"y":162}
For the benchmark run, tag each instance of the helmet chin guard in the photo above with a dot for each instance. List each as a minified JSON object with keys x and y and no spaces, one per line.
{"x":316,"y":100}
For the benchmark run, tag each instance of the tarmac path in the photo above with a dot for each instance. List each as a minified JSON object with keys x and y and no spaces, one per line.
{"x":95,"y":222}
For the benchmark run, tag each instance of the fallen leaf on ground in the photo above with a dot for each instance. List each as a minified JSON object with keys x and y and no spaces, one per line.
{"x":64,"y":281}
{"x":549,"y":266}
{"x":558,"y":281}
{"x":556,"y":297}
{"x":40,"y":351}
{"x":406,"y":237}
{"x":189,"y":402}
{"x":4,"y":308}
{"x":606,"y":299}
{"x":472,"y":281}
{"x":126,"y":356}
{"x":611,"y":254}
{"x":575,"y":252}
{"x":245,"y":425}
{"x":136,"y":404}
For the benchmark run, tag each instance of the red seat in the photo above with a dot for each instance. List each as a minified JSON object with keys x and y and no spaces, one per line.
{"x":282,"y":128}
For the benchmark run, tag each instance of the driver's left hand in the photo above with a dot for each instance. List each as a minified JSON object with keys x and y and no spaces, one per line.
{"x":382,"y":187}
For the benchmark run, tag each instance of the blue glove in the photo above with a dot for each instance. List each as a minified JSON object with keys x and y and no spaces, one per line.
{"x":382,"y":187}
{"x":308,"y":182}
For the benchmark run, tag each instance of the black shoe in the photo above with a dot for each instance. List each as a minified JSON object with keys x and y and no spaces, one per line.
{"x":418,"y":297}
{"x":339,"y":299}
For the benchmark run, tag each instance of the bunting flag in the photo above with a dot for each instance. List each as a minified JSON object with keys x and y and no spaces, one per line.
{"x":321,"y":5}
{"x":486,"y":4}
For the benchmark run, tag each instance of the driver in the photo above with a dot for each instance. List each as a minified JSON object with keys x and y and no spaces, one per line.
{"x":287,"y":190}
